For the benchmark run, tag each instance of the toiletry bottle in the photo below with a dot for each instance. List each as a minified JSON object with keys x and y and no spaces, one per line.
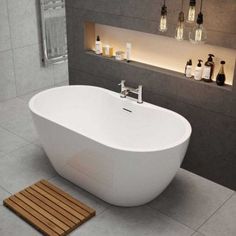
{"x":220,"y":78}
{"x":188,"y":69}
{"x":198,"y":71}
{"x":208,"y":69}
{"x":128,"y":51}
{"x":98,"y":46}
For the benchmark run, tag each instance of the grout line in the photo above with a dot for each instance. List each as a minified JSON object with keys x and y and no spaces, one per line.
{"x":11,"y":43}
{"x":214,"y":213}
{"x":148,"y":205}
{"x":19,"y":136}
{"x":5,"y":189}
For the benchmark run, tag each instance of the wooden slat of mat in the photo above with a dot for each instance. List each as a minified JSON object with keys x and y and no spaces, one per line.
{"x":49,"y":209}
{"x":40,"y":210}
{"x":70,"y":198}
{"x":56,"y":201}
{"x":63,"y":199}
{"x":54,"y":206}
{"x":37,"y":215}
{"x":29,"y":218}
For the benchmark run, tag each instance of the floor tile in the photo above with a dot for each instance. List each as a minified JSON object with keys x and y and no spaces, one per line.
{"x":80,"y":194}
{"x":15,"y":117}
{"x":3,"y":194}
{"x":191,"y":199}
{"x":198,"y":234}
{"x":12,"y":225}
{"x":14,"y":109}
{"x":24,"y":167}
{"x":223,"y":222}
{"x":9,"y":141}
{"x":132,"y":222}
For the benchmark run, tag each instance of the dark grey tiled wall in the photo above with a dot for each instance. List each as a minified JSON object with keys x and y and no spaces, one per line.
{"x":211,"y":110}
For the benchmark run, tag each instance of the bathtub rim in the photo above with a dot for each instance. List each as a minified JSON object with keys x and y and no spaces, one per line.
{"x":186,"y":135}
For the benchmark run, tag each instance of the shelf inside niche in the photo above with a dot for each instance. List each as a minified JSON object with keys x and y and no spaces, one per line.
{"x":160,"y":53}
{"x":159,"y":70}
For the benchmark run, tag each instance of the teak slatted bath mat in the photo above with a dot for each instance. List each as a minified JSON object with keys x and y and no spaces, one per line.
{"x":49,"y":209}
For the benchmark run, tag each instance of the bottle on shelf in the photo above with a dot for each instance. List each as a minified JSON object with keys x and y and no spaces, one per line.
{"x":198,"y":70}
{"x":208,"y":69}
{"x":188,"y":69}
{"x":220,"y":78}
{"x":128,"y":51}
{"x":98,"y":46}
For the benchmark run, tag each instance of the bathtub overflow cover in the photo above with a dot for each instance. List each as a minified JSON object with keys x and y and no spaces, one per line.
{"x":126,"y":109}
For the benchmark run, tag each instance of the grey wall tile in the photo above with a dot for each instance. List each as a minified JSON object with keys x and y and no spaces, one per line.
{"x":29,"y":72}
{"x":60,"y":72}
{"x":7,"y":77}
{"x":220,"y":16}
{"x":99,"y":5}
{"x":211,"y":153}
{"x":23,"y":22}
{"x":5,"y":42}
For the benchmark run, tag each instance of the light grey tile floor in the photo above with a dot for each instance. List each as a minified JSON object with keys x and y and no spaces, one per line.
{"x":191,"y":205}
{"x":132,"y":222}
{"x":197,"y":234}
{"x":191,"y":199}
{"x":9,"y":141}
{"x":12,"y":225}
{"x":23,"y":167}
{"x":223,"y":222}
{"x":79,"y":193}
{"x":3,"y":194}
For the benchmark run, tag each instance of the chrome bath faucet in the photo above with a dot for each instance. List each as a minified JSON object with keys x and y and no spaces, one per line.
{"x":126,"y":90}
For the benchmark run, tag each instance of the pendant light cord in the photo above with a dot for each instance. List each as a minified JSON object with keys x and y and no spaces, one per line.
{"x":201,"y":6}
{"x":182,"y":5}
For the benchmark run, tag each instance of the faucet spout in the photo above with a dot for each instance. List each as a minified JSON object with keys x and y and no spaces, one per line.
{"x":126,"y":90}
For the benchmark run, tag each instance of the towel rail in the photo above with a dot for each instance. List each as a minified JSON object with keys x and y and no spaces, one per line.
{"x":53,"y":25}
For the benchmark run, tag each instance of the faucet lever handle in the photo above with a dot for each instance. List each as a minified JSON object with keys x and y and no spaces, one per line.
{"x":122,"y":83}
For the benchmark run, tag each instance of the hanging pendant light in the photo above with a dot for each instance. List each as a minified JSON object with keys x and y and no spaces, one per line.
{"x":179,"y":34}
{"x":163,"y":20}
{"x":198,"y":34}
{"x":191,"y":11}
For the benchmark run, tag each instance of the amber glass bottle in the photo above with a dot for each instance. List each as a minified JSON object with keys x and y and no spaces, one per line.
{"x":220,"y":79}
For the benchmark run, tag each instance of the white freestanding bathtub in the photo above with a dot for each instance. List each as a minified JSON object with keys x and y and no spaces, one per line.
{"x":123,"y":152}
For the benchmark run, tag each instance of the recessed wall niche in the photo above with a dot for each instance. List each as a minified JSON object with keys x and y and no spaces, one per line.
{"x":160,"y":51}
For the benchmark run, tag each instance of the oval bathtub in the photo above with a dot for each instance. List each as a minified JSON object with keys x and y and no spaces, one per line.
{"x":123,"y":152}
